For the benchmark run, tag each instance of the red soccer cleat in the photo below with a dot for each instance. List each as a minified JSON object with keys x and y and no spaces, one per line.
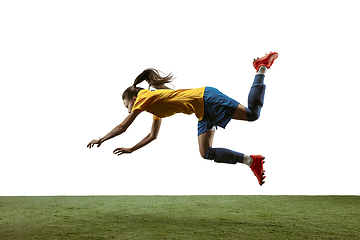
{"x":266,"y":60}
{"x":257,"y":168}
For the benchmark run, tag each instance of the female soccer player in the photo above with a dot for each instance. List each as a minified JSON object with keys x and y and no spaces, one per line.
{"x":211,"y":107}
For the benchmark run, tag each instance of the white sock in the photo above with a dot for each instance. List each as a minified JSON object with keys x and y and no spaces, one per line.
{"x":247,"y":160}
{"x":262,"y":70}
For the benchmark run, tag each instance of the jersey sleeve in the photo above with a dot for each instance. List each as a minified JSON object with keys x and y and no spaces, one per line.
{"x":139,"y":104}
{"x":142,"y":101}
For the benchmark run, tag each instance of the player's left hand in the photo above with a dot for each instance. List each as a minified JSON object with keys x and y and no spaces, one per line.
{"x":120,"y":151}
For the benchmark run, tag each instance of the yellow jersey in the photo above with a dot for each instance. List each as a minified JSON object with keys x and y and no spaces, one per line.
{"x":166,"y":102}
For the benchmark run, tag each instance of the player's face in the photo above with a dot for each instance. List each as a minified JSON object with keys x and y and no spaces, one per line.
{"x":129,"y":103}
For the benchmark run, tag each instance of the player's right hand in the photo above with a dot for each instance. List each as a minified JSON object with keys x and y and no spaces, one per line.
{"x":93,"y":142}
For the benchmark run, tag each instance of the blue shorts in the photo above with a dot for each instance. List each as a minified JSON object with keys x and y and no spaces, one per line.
{"x":218,"y":110}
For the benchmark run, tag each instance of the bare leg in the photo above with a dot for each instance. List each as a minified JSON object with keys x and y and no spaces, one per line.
{"x":219,"y":155}
{"x":205,"y":141}
{"x":240,"y":113}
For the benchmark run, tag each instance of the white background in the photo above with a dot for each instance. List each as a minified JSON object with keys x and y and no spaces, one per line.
{"x":65,"y":64}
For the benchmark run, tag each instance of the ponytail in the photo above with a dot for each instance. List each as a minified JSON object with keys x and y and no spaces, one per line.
{"x":154,"y":79}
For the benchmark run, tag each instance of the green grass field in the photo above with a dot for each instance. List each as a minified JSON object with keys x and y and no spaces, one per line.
{"x":180,"y":217}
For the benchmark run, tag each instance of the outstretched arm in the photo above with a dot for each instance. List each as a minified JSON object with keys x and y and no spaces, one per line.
{"x":148,"y":139}
{"x":121,"y":128}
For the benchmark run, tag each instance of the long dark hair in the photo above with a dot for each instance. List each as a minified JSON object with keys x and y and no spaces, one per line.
{"x":152,"y":76}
